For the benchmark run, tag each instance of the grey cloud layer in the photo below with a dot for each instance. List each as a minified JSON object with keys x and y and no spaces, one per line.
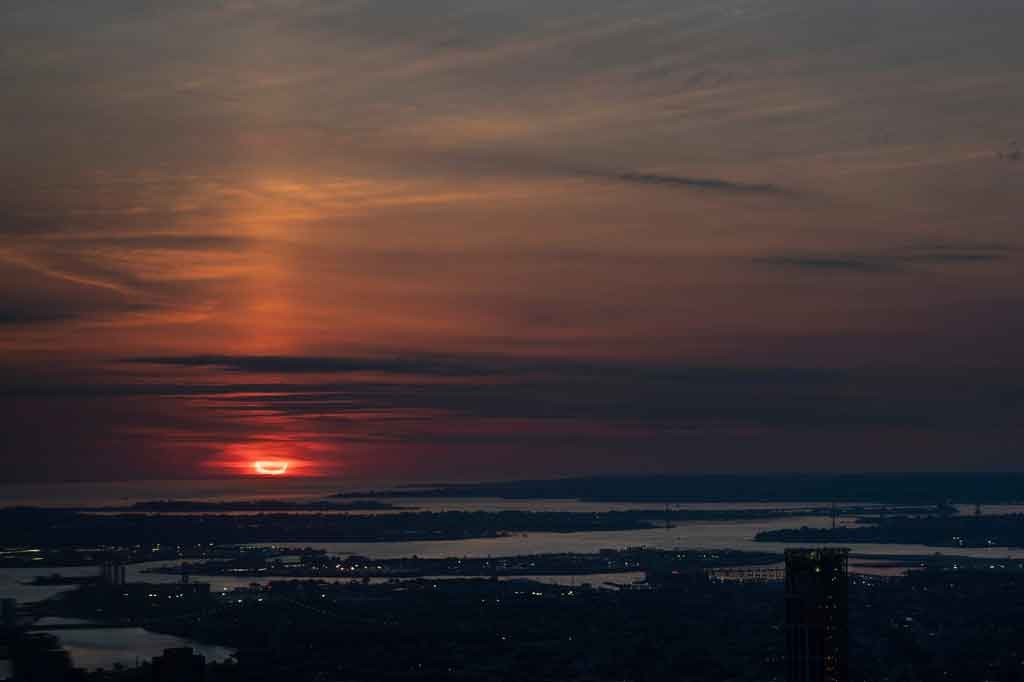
{"x":711,"y":184}
{"x":650,"y":395}
{"x":895,"y":259}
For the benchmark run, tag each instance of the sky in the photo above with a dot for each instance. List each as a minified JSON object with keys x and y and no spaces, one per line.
{"x":456,"y":240}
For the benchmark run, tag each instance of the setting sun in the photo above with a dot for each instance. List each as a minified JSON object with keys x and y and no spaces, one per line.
{"x":270,"y":468}
{"x":284,"y":457}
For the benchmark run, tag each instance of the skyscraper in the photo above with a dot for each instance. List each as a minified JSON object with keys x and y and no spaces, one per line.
{"x":112,"y":572}
{"x":8,"y":613}
{"x":179,"y":665}
{"x":816,"y":615}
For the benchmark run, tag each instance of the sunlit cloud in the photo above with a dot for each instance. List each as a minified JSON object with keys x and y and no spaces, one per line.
{"x":367,"y":202}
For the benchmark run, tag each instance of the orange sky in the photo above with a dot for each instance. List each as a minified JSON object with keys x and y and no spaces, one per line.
{"x":641,"y":186}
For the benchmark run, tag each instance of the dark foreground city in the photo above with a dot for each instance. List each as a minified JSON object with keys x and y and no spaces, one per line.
{"x":695,"y":616}
{"x":543,"y":581}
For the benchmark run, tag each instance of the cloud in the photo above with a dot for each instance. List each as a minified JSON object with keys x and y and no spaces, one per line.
{"x":167,"y":242}
{"x":660,"y":414}
{"x":23,"y":315}
{"x":16,"y":221}
{"x":711,"y":184}
{"x":893,"y":260}
{"x":67,"y":311}
{"x":648,"y":396}
{"x":46,"y":294}
{"x":821,"y":263}
{"x":955,"y":253}
{"x":481,"y":365}
{"x":281,"y":364}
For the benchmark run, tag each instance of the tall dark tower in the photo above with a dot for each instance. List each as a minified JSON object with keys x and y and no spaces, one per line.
{"x":817,"y":637}
{"x":179,"y":665}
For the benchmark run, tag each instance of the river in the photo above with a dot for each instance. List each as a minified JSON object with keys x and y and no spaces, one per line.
{"x":99,"y":647}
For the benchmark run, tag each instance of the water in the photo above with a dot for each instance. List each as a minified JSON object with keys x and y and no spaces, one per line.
{"x":599,"y":580}
{"x":117,"y":493}
{"x":100,"y":647}
{"x":711,"y":535}
{"x":12,"y":580}
{"x":497,"y":504}
{"x":101,"y":494}
{"x":689,"y":536}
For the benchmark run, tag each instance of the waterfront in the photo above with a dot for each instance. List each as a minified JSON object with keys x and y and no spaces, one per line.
{"x":709,"y":535}
{"x":100,"y":647}
{"x":684,"y":535}
{"x":720,"y":529}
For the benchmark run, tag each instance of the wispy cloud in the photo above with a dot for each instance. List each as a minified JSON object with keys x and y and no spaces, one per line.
{"x":609,"y":396}
{"x":290,"y":364}
{"x":20,"y":316}
{"x":893,"y":260}
{"x":700,"y":183}
{"x":478,"y":365}
{"x":852,"y":264}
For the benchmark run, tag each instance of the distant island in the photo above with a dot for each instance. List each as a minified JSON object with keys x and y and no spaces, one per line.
{"x":896,"y":488}
{"x":186,"y":506}
{"x":59,"y":528}
{"x":1005,"y":530}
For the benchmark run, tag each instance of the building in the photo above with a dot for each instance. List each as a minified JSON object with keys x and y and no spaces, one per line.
{"x":40,"y":658}
{"x":179,"y":665}
{"x":817,"y":637}
{"x":8,"y":613}
{"x":113,"y":573}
